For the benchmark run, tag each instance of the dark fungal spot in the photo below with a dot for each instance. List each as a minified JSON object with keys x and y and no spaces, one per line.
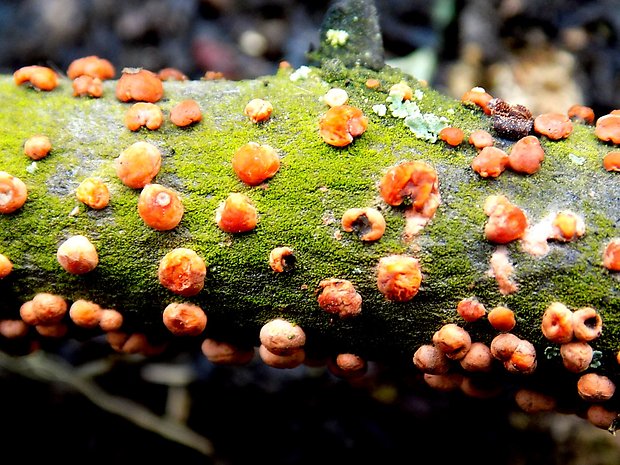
{"x":510,"y":121}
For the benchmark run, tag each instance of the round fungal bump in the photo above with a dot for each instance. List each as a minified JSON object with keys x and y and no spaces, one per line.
{"x":399,"y":277}
{"x":339,"y":296}
{"x":184,"y":319}
{"x":182,"y":271}
{"x":77,"y":255}
{"x":282,"y":337}
{"x":282,"y":259}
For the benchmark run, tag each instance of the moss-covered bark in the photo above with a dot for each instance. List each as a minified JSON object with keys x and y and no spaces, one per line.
{"x":301,"y":208}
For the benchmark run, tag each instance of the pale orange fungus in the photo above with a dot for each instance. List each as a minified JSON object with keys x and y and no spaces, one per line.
{"x":611,"y":161}
{"x":611,"y":255}
{"x":87,"y":86}
{"x":470,"y":309}
{"x":140,"y":85}
{"x":91,"y":66}
{"x":526,"y":155}
{"x":414,"y":181}
{"x":608,"y":128}
{"x":94,"y":193}
{"x":138,"y":164}
{"x":144,"y":114}
{"x":478,"y":96}
{"x":581,"y":113}
{"x":39,"y":77}
{"x":37,"y":147}
{"x":185,"y":113}
{"x":490,"y":162}
{"x":452,"y":136}
{"x":339,"y":296}
{"x":13,"y":193}
{"x":555,"y":126}
{"x":182,"y":271}
{"x":481,"y":139}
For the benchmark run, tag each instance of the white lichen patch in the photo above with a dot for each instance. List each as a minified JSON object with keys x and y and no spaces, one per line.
{"x":336,"y":37}
{"x":379,"y":109}
{"x":300,"y":73}
{"x":576,"y":159}
{"x":535,"y":239}
{"x":503,"y":271}
{"x":32,"y":167}
{"x":426,"y":126}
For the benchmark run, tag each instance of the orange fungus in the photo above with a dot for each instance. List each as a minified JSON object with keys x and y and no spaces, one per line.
{"x":159,"y":207}
{"x":254,"y":163}
{"x":340,"y":124}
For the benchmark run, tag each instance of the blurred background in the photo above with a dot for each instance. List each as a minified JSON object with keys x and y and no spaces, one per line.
{"x":545,"y":54}
{"x":79,"y":402}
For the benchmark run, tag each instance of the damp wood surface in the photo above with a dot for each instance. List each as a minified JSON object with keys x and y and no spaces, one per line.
{"x":300,"y":207}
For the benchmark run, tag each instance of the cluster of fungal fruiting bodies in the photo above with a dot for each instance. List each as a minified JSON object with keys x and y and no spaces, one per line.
{"x":450,"y":359}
